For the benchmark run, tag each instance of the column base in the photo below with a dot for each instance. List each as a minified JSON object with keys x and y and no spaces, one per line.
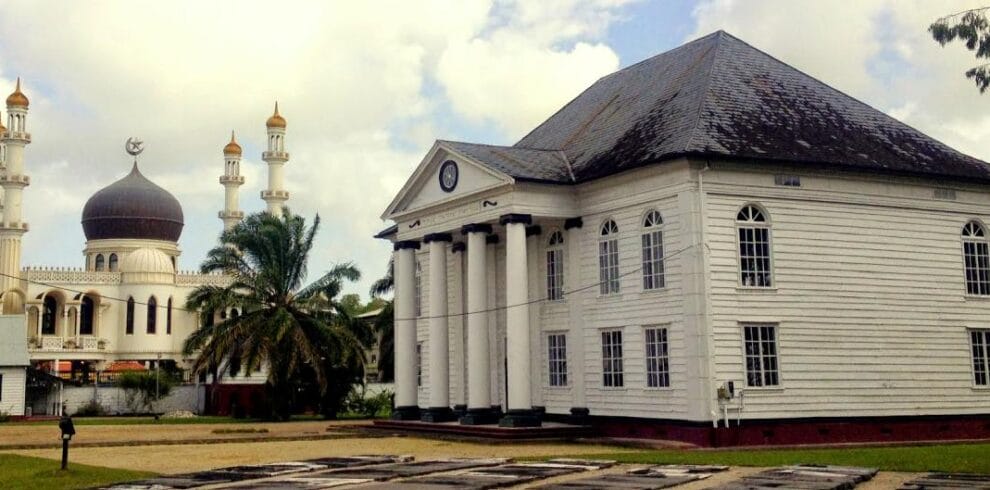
{"x":497,"y":410}
{"x":540,"y":411}
{"x":579,"y":416}
{"x":479,"y":416}
{"x":406,"y":413}
{"x":460,"y":410}
{"x":438,"y":414}
{"x":520,"y":418}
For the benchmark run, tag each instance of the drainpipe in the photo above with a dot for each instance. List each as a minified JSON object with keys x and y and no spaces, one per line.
{"x":706,"y":285}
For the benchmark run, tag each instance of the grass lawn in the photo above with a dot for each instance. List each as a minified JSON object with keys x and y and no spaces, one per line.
{"x":26,"y":473}
{"x":966,"y":458}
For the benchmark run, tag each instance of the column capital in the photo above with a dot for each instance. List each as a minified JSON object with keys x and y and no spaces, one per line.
{"x":458,"y":247}
{"x":505,"y":219}
{"x":476,"y":228}
{"x":573,"y":223}
{"x":437,"y":237}
{"x":491,"y":239}
{"x":406,"y":245}
{"x":534,"y":230}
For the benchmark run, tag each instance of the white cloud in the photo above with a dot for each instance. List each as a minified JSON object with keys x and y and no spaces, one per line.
{"x":351,"y":79}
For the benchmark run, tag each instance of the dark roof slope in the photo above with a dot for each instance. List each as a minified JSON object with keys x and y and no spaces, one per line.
{"x":521,"y":163}
{"x":718,"y":96}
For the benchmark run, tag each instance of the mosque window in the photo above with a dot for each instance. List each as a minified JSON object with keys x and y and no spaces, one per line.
{"x":86,"y":316}
{"x":152,"y":315}
{"x":113,"y":262}
{"x":48,"y":316}
{"x":168,"y":318}
{"x":100,"y":262}
{"x":130,"y":317}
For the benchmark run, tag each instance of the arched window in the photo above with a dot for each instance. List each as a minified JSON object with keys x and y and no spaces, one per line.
{"x":555,"y":266}
{"x":754,"y":247}
{"x":152,"y":315}
{"x":608,"y":258}
{"x":113,"y":262}
{"x":168,"y":318}
{"x":48,"y":316}
{"x":976,"y":258}
{"x":418,"y":297}
{"x":129,"y":328}
{"x":99,"y":262}
{"x":86,"y":311}
{"x":653,"y":269}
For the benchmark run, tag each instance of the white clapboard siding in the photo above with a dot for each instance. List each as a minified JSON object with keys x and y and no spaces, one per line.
{"x":869,"y":299}
{"x":12,"y":396}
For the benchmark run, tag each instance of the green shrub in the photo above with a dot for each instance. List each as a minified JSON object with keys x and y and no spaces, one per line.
{"x":4,"y":417}
{"x":140,"y":389}
{"x":91,"y":409}
{"x":369,"y":406}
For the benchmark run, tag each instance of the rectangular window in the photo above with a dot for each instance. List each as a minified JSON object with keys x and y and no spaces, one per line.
{"x":657,"y":362}
{"x":418,"y":295}
{"x":612,"y":358}
{"x":653,"y":273}
{"x":787,"y":180}
{"x":1,"y":387}
{"x":981,"y":357}
{"x":555,"y":274}
{"x":977,"y":257}
{"x":557,"y":359}
{"x":761,"y":355}
{"x":608,"y":266}
{"x":754,"y":256}
{"x":419,"y":364}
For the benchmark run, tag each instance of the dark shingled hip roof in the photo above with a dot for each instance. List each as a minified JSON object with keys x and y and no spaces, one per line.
{"x":719,"y":97}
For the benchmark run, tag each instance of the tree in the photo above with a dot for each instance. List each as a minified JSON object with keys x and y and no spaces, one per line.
{"x":142,"y":389}
{"x":385,"y":324}
{"x":971,"y":27}
{"x":296,"y":331}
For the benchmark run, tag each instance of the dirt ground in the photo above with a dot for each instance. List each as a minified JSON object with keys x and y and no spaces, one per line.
{"x":14,"y":435}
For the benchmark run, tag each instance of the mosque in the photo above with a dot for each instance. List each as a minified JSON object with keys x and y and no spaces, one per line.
{"x":124,"y":309}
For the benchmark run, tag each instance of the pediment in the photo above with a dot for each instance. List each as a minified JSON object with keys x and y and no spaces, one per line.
{"x":425,"y":188}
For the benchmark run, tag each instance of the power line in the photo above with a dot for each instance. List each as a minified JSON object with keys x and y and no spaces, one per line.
{"x":449,"y":315}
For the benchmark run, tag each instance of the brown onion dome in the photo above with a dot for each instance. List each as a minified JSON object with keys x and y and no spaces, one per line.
{"x":133,"y":207}
{"x":276,"y":121}
{"x":17,"y":99}
{"x":232,"y":148}
{"x":2,"y":129}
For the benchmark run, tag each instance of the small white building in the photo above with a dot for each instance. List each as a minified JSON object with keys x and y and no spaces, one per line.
{"x":706,"y":238}
{"x":13,"y":365}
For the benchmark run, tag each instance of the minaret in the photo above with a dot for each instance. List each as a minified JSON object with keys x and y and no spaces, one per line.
{"x":275,"y":157}
{"x":13,"y":181}
{"x":231,"y":181}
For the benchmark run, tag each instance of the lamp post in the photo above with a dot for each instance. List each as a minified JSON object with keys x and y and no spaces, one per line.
{"x":68,"y":430}
{"x":158,"y":364}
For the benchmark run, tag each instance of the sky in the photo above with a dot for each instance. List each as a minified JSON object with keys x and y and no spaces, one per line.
{"x":366,"y":88}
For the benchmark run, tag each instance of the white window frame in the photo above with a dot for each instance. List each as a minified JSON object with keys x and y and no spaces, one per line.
{"x":557,"y":359}
{"x":754,"y":220}
{"x":608,"y":258}
{"x":555,"y":266}
{"x":979,"y":357}
{"x":657,"y":356}
{"x":654,"y":271}
{"x":613,"y":372}
{"x":418,"y":296}
{"x":976,"y":259}
{"x":769,"y":375}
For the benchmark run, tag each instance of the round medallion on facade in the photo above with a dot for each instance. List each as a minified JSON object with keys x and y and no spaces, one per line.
{"x":448,"y":175}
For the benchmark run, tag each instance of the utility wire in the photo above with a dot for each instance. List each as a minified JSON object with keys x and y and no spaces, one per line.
{"x":450,"y":315}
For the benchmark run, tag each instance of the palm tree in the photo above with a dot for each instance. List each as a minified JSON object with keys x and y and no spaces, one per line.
{"x":286,"y":326}
{"x":384,"y":324}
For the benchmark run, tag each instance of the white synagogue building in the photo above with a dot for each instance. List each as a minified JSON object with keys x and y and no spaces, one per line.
{"x":124,"y":308}
{"x":708,"y":245}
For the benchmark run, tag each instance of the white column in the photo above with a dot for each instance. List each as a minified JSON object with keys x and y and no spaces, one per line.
{"x":520,"y":405}
{"x":439,"y":388}
{"x":536,"y":291}
{"x":457,"y":322}
{"x":575,"y":306}
{"x":479,"y":369}
{"x":406,"y":407}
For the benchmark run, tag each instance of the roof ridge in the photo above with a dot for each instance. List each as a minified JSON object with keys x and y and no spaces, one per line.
{"x":706,"y":92}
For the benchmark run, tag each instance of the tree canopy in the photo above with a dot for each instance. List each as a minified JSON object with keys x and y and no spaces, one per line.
{"x":971,"y":27}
